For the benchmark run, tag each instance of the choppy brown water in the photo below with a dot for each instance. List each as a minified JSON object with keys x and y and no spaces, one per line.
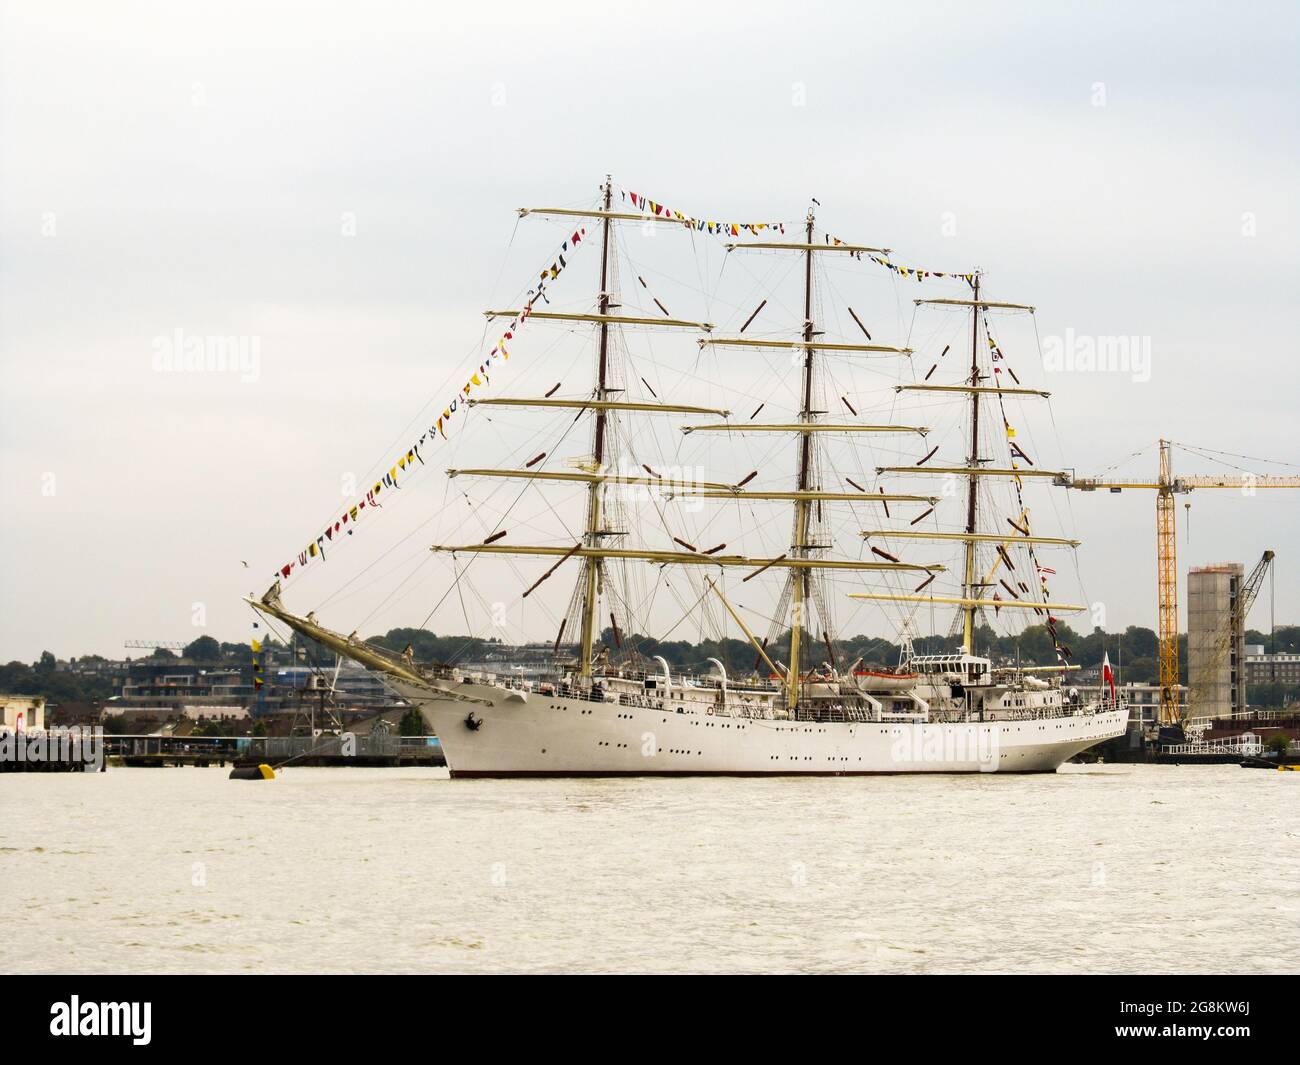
{"x":1095,"y":869}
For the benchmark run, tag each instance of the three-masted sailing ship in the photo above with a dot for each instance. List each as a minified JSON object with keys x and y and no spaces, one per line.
{"x":608,"y":710}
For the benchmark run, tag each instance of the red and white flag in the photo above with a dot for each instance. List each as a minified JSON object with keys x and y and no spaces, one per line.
{"x":1108,"y":675}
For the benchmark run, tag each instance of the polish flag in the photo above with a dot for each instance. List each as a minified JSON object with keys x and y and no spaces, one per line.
{"x":1108,"y":675}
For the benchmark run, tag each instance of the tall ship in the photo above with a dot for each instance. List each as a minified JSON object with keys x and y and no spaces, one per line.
{"x":790,"y":458}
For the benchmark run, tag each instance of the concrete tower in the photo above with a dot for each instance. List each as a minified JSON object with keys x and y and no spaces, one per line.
{"x":1211,"y":595}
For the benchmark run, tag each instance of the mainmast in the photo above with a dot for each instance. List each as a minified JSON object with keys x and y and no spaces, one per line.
{"x":800,"y":578}
{"x":592,"y":566}
{"x":972,"y":493}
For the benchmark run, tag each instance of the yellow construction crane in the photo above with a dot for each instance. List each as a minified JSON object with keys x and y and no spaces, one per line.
{"x":1166,"y":487}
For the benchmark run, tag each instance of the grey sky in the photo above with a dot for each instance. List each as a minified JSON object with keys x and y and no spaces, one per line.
{"x":166,"y":167}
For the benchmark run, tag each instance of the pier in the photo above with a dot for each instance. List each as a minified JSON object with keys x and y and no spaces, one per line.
{"x":372,"y":751}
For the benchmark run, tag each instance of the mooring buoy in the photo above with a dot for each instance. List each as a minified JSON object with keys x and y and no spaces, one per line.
{"x":252,"y":772}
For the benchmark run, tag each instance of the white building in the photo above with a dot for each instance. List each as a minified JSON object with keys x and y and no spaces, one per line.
{"x":20,"y":712}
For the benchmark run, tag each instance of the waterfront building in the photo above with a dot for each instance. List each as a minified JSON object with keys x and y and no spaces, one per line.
{"x":20,"y":712}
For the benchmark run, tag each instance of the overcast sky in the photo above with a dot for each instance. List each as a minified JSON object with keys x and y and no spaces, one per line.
{"x":338,"y":181}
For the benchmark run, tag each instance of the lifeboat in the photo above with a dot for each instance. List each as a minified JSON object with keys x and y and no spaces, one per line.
{"x":873,"y":681}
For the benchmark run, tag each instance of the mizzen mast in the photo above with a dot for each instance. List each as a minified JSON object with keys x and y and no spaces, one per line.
{"x":972,"y":598}
{"x":972,"y":484}
{"x":800,"y":578}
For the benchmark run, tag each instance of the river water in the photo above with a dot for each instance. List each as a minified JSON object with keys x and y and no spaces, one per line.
{"x":1093,"y":869}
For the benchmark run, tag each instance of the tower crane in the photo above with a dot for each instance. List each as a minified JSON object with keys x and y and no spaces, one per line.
{"x":1166,"y":486}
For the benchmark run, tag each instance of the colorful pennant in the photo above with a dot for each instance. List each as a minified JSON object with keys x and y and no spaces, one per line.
{"x":734,"y":229}
{"x":727,"y":229}
{"x":257,"y":664}
{"x":406,"y":462}
{"x":910,"y":271}
{"x":1017,"y":455}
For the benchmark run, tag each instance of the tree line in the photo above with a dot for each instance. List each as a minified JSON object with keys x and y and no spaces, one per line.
{"x":1134,"y":651}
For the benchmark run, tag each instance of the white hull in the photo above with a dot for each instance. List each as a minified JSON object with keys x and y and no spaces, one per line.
{"x":529,"y":734}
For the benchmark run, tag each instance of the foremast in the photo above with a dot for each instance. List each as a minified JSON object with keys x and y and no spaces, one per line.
{"x":592,"y":567}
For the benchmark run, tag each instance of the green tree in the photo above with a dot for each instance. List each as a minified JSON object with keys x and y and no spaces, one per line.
{"x":1273,"y":696}
{"x":1278,"y":743}
{"x":1140,"y":643}
{"x":412,"y":723}
{"x":1283,"y":640}
{"x":205,"y":649}
{"x":16,"y":677}
{"x":427,"y":647}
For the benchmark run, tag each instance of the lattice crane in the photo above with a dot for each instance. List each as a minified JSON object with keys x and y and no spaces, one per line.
{"x":1166,"y":487}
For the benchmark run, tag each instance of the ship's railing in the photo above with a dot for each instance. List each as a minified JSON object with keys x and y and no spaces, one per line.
{"x":1024,"y":713}
{"x":1037,"y":713}
{"x":741,"y":710}
{"x":834,"y":713}
{"x":689,"y":681}
{"x":706,"y":681}
{"x":1056,"y":710}
{"x":1235,"y":745}
{"x":598,"y":693}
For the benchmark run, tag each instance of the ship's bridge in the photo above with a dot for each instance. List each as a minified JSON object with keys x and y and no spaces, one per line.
{"x":964,"y":669}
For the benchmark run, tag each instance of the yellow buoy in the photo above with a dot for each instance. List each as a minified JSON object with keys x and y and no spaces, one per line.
{"x":252,"y":772}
